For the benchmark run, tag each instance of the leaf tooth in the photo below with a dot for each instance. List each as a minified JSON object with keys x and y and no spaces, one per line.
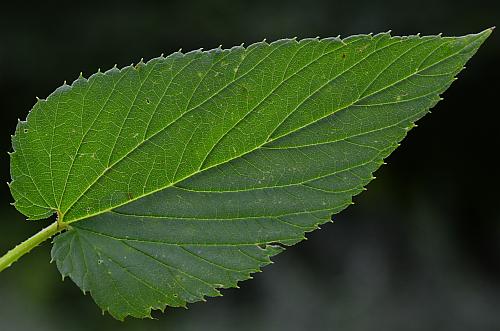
{"x":163,"y":307}
{"x":148,"y":314}
{"x":194,"y":51}
{"x":236,"y":48}
{"x":309,"y":40}
{"x":112,"y":70}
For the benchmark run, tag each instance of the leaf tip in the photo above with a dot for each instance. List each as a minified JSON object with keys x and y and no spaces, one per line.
{"x":487,"y":31}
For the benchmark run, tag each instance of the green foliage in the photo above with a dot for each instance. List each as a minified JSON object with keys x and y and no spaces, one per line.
{"x":186,"y":174}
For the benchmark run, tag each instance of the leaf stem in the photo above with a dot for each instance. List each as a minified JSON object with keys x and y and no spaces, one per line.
{"x":26,"y":246}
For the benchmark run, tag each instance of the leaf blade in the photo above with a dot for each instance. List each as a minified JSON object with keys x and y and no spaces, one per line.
{"x":228,"y":152}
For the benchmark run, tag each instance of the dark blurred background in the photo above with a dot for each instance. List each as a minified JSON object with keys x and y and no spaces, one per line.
{"x":420,"y":250}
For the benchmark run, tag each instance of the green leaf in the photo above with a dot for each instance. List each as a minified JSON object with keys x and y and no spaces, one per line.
{"x":186,"y":174}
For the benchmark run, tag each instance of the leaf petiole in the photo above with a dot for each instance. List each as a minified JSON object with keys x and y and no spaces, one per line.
{"x":26,"y":246}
